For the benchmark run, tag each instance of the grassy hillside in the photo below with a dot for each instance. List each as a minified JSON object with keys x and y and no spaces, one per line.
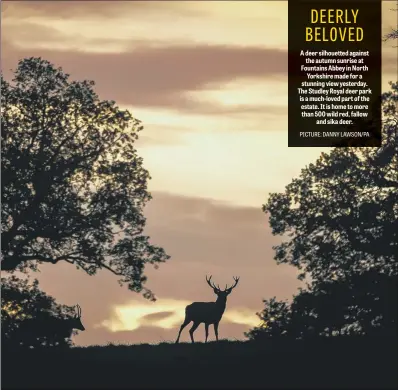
{"x":340,"y":362}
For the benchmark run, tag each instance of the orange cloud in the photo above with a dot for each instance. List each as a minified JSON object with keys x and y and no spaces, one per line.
{"x":166,"y":314}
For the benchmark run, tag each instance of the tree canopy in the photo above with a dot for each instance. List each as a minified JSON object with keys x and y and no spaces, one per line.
{"x":362,"y":304}
{"x":339,"y":222}
{"x":341,"y":214}
{"x":73,"y":185}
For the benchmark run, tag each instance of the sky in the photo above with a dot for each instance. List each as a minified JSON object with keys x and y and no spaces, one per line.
{"x":208,"y":80}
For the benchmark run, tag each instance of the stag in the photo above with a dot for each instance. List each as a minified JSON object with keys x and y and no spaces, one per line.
{"x":207,"y":312}
{"x":52,"y":329}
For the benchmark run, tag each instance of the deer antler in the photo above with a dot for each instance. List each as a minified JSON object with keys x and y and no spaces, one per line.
{"x":212,"y":285}
{"x":78,"y":311}
{"x":236,"y":279}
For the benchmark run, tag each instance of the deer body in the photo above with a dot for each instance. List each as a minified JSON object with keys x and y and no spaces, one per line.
{"x":206,"y":312}
{"x":50,"y":328}
{"x":55,"y":326}
{"x":209,"y":313}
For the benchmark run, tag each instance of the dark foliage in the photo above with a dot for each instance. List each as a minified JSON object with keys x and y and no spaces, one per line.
{"x":363,"y":304}
{"x":340,"y":221}
{"x":30,"y":317}
{"x":341,"y":214}
{"x":73,"y":186}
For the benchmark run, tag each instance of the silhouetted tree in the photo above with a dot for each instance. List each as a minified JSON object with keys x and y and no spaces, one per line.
{"x":73,"y":186}
{"x":23,"y":306}
{"x":340,"y":218}
{"x":362,"y":304}
{"x":358,"y":304}
{"x":341,"y":215}
{"x":393,"y":34}
{"x":275,"y":320}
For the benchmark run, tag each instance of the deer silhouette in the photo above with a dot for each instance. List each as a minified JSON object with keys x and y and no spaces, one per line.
{"x":52,"y":328}
{"x":207,"y":312}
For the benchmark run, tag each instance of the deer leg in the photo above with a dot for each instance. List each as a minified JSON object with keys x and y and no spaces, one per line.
{"x":184,"y":324}
{"x":216,"y":330}
{"x":194,"y":327}
{"x":207,"y":331}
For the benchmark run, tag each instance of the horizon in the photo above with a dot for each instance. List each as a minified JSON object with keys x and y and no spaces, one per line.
{"x":208,"y":80}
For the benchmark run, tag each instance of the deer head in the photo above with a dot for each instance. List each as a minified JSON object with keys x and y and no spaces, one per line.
{"x":76,"y":321}
{"x":222,"y":294}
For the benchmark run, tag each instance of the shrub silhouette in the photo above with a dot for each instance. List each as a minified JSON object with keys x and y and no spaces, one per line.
{"x":361,"y":305}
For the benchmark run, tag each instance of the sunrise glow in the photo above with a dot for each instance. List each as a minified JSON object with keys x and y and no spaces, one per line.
{"x":208,"y":81}
{"x":165,"y":314}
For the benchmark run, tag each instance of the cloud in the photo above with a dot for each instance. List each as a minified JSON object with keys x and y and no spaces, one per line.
{"x":227,"y":161}
{"x":103,"y":9}
{"x":159,"y":77}
{"x":136,"y":314}
{"x":35,"y":36}
{"x":199,"y":79}
{"x":250,"y":95}
{"x":193,"y":70}
{"x":233,"y":24}
{"x":61,"y":9}
{"x":157,"y":316}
